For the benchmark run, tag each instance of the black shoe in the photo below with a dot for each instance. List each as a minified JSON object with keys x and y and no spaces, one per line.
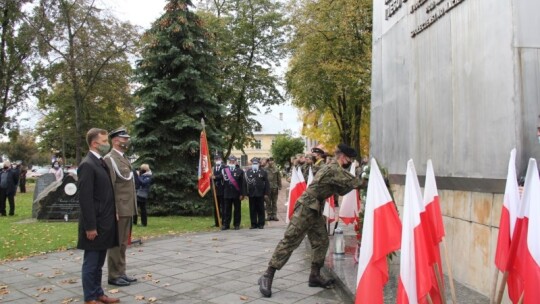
{"x":224,"y":228}
{"x":118,"y":282}
{"x":11,"y":214}
{"x":318,"y":281}
{"x":252,"y":227}
{"x":275,"y":219}
{"x":129,"y":279}
{"x":236,"y":227}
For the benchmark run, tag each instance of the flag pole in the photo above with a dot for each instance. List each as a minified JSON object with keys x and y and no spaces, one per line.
{"x":428,"y":298}
{"x":494,"y":286}
{"x":216,"y":205}
{"x":502,"y":287}
{"x":450,"y":275}
{"x":439,"y":282}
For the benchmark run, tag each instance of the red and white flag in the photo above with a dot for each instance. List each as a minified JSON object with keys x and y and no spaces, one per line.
{"x":296,"y":188}
{"x":527,"y":259}
{"x":330,"y":209}
{"x":204,"y":172}
{"x":380,"y":236}
{"x":310,"y":176}
{"x":509,"y":215}
{"x":350,"y":204}
{"x":415,"y":271}
{"x":431,"y":217}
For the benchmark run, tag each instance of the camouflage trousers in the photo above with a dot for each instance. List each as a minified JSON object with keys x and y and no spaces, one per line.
{"x":305,"y":221}
{"x":271,"y":203}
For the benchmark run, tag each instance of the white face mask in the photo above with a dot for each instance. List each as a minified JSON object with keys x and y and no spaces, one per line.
{"x":231,"y":165}
{"x":255,"y":167}
{"x":218,"y":163}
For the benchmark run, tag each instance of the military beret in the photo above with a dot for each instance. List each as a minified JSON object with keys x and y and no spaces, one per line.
{"x":348,"y":151}
{"x":120,"y":132}
{"x":317,"y":150}
{"x":232,"y":157}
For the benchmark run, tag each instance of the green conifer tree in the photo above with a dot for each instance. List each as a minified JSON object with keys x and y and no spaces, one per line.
{"x":178,"y":87}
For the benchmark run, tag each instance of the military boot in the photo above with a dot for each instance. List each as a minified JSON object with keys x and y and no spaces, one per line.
{"x":316,"y":280}
{"x":265,"y":282}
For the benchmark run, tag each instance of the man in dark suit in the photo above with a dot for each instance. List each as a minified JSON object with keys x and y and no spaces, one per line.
{"x":125,"y":196}
{"x":8,"y":187}
{"x":97,"y":219}
{"x":218,"y":183}
{"x":233,"y":193}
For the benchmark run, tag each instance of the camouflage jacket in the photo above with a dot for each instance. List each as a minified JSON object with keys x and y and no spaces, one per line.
{"x":329,"y":180}
{"x":317,"y":166}
{"x":274,"y":177}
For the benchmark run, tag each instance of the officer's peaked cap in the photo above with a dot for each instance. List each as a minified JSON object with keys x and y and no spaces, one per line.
{"x":317,"y":150}
{"x":255,"y":160}
{"x":232,"y":157}
{"x":120,"y":132}
{"x":348,"y":151}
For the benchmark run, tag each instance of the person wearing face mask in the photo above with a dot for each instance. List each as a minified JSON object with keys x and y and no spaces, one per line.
{"x":8,"y":187}
{"x":233,"y":193}
{"x":97,"y":217}
{"x":218,"y":182}
{"x":274,"y":180}
{"x":308,"y":220}
{"x":123,"y":182}
{"x":143,"y":180}
{"x":57,"y":170}
{"x":257,"y":188}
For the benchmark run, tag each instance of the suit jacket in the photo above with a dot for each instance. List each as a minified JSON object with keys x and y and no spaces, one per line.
{"x":229,"y":190}
{"x":218,"y":179}
{"x":96,"y":199}
{"x":124,"y":190}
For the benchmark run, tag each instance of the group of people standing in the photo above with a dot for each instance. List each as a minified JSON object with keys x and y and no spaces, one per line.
{"x":110,"y":191}
{"x":260,"y":183}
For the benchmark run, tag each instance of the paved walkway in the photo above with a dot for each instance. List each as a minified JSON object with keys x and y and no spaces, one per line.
{"x":215,"y":267}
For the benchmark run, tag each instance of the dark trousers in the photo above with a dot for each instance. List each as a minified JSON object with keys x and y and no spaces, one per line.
{"x":10,"y":198}
{"x":256,"y":211}
{"x":141,"y":203}
{"x":219,"y":209}
{"x":92,"y":271}
{"x":227,"y":212}
{"x":22,"y":186}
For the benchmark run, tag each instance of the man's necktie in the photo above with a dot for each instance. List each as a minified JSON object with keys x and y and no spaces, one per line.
{"x":104,"y":164}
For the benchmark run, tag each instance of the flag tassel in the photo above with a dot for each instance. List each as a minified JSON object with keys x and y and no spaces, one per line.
{"x":450,"y":275}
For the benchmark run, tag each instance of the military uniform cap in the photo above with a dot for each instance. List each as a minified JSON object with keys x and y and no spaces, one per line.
{"x":255,"y":160}
{"x":317,"y":150}
{"x":232,"y":157}
{"x":120,"y":132}
{"x":348,"y":151}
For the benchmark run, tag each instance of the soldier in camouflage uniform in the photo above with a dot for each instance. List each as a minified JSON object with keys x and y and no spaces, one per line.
{"x":319,"y":159}
{"x":274,"y":179}
{"x":308,"y":220}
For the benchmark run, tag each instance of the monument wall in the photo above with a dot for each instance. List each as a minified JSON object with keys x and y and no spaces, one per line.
{"x":458,"y":82}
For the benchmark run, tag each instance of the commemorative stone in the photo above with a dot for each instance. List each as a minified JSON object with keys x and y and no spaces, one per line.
{"x":43,"y":182}
{"x":59,"y":201}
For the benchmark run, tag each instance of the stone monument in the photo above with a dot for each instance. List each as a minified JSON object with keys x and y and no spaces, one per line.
{"x":456,"y":81}
{"x":43,"y":182}
{"x":59,"y":201}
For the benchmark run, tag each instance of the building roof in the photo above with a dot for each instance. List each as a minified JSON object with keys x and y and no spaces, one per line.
{"x":270,"y":124}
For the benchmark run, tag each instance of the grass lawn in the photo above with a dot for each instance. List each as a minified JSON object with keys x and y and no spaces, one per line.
{"x":21,"y":236}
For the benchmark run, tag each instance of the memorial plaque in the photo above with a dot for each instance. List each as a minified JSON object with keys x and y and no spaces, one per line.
{"x":59,"y":201}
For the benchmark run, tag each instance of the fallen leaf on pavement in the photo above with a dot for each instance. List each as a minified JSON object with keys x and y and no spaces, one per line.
{"x":113,"y":291}
{"x":139,"y":297}
{"x":244,"y":298}
{"x":152,"y":300}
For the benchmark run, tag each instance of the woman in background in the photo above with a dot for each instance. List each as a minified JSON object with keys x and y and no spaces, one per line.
{"x":57,"y":171}
{"x":142,"y":183}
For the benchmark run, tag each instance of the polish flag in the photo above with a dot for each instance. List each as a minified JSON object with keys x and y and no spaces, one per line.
{"x":527,"y":257}
{"x":296,"y":188}
{"x":509,"y":214}
{"x":381,"y":236}
{"x":432,"y":218}
{"x":350,"y":204}
{"x":415,"y":273}
{"x":330,"y":209}
{"x":204,"y":173}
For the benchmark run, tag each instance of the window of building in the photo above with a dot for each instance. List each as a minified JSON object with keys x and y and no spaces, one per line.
{"x":258,"y":128}
{"x":257,"y":144}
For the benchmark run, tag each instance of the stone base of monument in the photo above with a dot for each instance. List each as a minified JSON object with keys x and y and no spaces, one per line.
{"x":343,"y":268}
{"x":58,"y":201}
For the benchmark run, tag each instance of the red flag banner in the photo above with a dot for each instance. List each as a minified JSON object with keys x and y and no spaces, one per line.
{"x":204,"y":173}
{"x":296,"y":188}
